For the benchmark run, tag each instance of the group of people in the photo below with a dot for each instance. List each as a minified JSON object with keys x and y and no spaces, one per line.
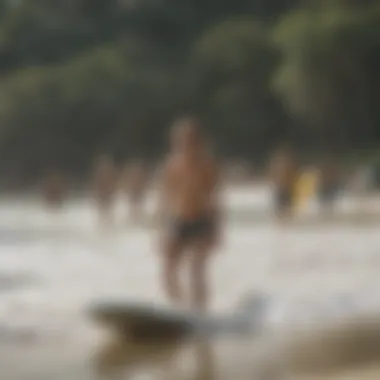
{"x":107,"y":182}
{"x":189,"y":208}
{"x":292,"y":186}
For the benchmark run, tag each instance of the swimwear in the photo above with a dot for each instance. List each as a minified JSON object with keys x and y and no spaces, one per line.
{"x":186,"y":230}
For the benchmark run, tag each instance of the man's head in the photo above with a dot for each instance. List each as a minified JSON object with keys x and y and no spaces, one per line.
{"x":185,"y":135}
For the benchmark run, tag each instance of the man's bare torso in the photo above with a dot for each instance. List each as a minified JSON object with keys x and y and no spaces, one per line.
{"x":191,"y":186}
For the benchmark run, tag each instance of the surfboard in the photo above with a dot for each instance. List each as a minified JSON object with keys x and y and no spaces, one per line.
{"x":152,"y":323}
{"x":141,"y":321}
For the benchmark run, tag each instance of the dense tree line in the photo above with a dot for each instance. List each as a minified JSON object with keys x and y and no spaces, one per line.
{"x":83,"y":77}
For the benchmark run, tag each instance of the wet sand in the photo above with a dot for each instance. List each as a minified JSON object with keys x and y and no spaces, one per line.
{"x":320,"y":272}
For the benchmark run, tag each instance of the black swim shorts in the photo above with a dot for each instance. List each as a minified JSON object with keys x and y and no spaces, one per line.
{"x":185,"y":230}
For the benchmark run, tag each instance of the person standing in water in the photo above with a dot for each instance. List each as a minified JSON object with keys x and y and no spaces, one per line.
{"x":190,"y":202}
{"x":54,"y":189}
{"x":105,"y":186}
{"x":134,"y":184}
{"x":283,"y":175}
{"x":329,"y":184}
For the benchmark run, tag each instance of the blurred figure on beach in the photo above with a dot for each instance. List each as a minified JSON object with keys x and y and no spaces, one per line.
{"x":135,"y":182}
{"x":362,"y":180}
{"x":105,"y":187}
{"x":54,"y":189}
{"x":190,"y":207}
{"x":283,"y":172}
{"x":329,"y":184}
{"x":306,"y":188}
{"x":361,"y":185}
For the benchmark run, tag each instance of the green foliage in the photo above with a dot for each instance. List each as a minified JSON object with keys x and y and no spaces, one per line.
{"x":80,"y":77}
{"x":234,"y":62}
{"x":327,"y":76}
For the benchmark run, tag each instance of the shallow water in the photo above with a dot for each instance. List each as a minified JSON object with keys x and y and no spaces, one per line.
{"x":53,"y":264}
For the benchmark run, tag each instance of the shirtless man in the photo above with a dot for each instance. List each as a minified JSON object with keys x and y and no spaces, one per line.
{"x":283,"y":173}
{"x":134,"y":183}
{"x":105,"y":185}
{"x":190,"y":189}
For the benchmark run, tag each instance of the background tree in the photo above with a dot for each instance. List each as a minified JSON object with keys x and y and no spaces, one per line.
{"x":327,"y":75}
{"x":81,"y":77}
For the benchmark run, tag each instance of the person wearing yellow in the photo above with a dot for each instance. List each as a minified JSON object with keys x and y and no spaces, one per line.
{"x":306,"y":188}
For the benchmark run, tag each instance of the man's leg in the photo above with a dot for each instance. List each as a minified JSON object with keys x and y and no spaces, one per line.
{"x":170,"y":274}
{"x":199,"y":289}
